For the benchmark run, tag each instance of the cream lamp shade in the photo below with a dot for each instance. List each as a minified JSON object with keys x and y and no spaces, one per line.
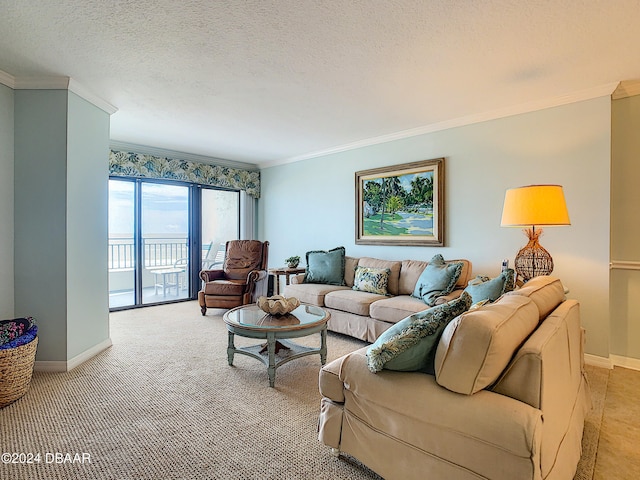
{"x":542,"y":205}
{"x":531,"y":206}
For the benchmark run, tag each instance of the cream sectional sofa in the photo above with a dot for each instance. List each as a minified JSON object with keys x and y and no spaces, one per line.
{"x":508,"y":399}
{"x":366,"y":315}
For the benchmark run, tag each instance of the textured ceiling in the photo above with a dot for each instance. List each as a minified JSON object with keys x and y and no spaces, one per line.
{"x":276,"y":80}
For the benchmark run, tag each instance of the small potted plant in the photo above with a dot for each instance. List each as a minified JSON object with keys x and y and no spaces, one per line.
{"x":292,"y":262}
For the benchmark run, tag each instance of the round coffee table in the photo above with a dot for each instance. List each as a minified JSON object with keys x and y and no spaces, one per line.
{"x":251,"y":322}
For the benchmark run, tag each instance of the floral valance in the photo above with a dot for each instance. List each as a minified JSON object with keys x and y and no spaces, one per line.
{"x":127,"y":164}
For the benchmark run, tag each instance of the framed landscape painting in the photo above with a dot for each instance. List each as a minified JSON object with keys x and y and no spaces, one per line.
{"x":401,"y":204}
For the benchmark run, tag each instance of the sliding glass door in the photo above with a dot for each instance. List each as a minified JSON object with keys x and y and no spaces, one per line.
{"x":220,"y":213}
{"x":164,"y":236}
{"x":161,"y":235}
{"x":121,"y":253}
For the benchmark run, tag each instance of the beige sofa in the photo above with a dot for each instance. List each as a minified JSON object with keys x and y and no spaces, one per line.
{"x":508,"y":399}
{"x":366,"y":315}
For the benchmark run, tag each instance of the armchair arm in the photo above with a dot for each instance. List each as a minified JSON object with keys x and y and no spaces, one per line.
{"x":210,"y":275}
{"x":256,"y":285}
{"x":256,"y":275}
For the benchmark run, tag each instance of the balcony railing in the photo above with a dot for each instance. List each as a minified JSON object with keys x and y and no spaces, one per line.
{"x":157,"y":252}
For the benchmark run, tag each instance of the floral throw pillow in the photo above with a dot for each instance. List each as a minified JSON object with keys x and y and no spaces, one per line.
{"x":372,"y":280}
{"x":410,"y":344}
{"x":12,"y":329}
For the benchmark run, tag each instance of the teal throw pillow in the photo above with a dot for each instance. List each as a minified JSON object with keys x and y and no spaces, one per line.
{"x":485,"y":288}
{"x":437,"y":279}
{"x":372,"y":280}
{"x":325,"y":267}
{"x":410,"y":344}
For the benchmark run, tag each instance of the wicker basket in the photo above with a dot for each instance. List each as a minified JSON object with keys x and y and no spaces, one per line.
{"x":16,"y":369}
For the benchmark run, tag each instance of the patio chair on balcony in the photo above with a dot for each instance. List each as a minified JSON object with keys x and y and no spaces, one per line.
{"x":214,"y":257}
{"x":241,"y":278}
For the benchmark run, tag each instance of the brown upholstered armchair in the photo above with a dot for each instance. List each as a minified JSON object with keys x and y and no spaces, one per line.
{"x":242,"y":278}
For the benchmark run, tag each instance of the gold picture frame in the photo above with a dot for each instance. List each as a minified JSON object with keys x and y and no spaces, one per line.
{"x":401,"y":204}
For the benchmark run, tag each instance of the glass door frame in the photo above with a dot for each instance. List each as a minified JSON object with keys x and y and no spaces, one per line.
{"x":194,"y":235}
{"x":196,"y":239}
{"x":138,"y":240}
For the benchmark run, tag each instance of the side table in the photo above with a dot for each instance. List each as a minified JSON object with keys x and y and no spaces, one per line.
{"x":287,"y":272}
{"x":167,"y":275}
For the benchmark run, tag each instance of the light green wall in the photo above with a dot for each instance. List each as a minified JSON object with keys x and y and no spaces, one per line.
{"x":6,"y":202}
{"x":310,"y":204}
{"x":625,"y":229}
{"x":87,"y":200}
{"x":61,"y":158}
{"x":40,"y":216}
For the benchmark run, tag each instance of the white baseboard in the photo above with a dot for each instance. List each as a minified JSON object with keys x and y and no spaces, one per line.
{"x":612,"y":361}
{"x":596,"y":361}
{"x":626,"y":362}
{"x":46,"y":366}
{"x":87,"y":354}
{"x":62,"y":366}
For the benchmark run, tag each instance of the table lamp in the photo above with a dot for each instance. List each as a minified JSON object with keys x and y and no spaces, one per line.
{"x":534,"y":206}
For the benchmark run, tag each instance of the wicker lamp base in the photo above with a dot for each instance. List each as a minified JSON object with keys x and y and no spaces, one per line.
{"x":533,"y":260}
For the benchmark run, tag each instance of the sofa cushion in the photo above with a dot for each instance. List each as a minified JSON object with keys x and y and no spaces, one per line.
{"x":545,"y":291}
{"x":351,"y":301}
{"x":477,"y":346}
{"x":392,"y":265}
{"x":524,"y":377}
{"x":394,"y":309}
{"x":225,"y":287}
{"x":484,"y":288}
{"x":465,"y":272}
{"x":313,"y":293}
{"x":350,"y":264}
{"x":408,"y":345}
{"x":325,"y":267}
{"x":438,"y":278}
{"x":372,"y":280}
{"x":409,"y":273}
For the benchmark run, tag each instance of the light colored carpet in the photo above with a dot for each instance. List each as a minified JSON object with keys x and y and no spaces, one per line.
{"x":618,"y":453}
{"x":164,"y":403}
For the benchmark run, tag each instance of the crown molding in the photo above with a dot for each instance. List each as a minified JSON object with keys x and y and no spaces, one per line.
{"x":173,"y":154}
{"x":8,"y":80}
{"x":56,"y":83}
{"x":90,"y":97}
{"x":42,"y":83}
{"x":627,"y":88}
{"x":581,"y":95}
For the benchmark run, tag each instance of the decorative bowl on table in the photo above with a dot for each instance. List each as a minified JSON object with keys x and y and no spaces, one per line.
{"x":278,"y":305}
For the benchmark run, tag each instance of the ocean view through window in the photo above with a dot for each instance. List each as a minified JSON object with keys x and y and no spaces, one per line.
{"x":161,"y":234}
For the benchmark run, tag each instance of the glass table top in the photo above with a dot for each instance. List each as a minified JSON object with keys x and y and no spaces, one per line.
{"x":252,"y":317}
